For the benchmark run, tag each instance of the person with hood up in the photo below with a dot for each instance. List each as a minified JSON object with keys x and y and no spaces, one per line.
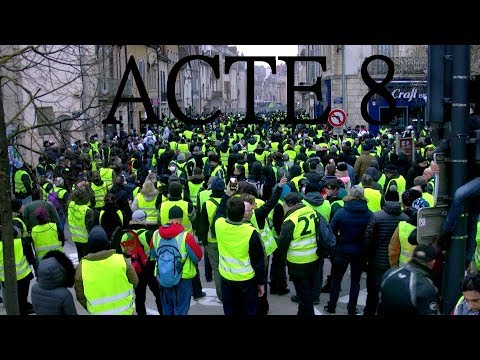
{"x":49,"y":294}
{"x":104,"y":280}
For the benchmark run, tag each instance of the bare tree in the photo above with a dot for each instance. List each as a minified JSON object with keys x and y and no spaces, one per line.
{"x":47,"y":92}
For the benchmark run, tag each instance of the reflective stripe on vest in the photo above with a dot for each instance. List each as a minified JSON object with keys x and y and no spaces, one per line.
{"x":303,"y":247}
{"x":149,"y":208}
{"x":76,"y":222}
{"x":194,"y":190}
{"x":45,"y":238}
{"x":100,"y":192}
{"x":406,"y":249}
{"x":106,"y":286}
{"x":22,"y":268}
{"x":266,"y":236}
{"x":233,"y":247}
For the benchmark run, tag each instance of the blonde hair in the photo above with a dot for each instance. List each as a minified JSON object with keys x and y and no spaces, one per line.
{"x":148,"y":189}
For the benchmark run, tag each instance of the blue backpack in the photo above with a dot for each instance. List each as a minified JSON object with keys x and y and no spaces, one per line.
{"x":169,"y":261}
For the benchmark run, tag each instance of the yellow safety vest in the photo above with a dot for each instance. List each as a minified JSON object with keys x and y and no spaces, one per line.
{"x":202,"y":197}
{"x":19,"y":186}
{"x":194,"y":190}
{"x":406,"y":249}
{"x":149,"y":208}
{"x":76,"y":222}
{"x":381,"y":181}
{"x":429,"y":197}
{"x":22,"y":267}
{"x":211,"y":208}
{"x":24,"y":226}
{"x":266,"y":236}
{"x":303,"y":247}
{"x":45,"y":238}
{"x":119,"y":213}
{"x":106,"y":174}
{"x":233,"y":247}
{"x":106,"y":286}
{"x":374,"y":198}
{"x":100,"y":192}
{"x":401,"y":185}
{"x":325,"y":209}
{"x":167,"y":205}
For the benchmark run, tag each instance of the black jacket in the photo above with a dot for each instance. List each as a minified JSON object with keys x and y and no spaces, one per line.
{"x":379,"y":231}
{"x":408,"y":291}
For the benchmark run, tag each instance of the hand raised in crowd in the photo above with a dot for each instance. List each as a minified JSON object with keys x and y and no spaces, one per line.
{"x":282,"y":181}
{"x":229,"y":191}
{"x":434,"y":166}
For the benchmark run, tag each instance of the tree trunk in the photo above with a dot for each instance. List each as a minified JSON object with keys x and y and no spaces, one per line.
{"x":11,"y":301}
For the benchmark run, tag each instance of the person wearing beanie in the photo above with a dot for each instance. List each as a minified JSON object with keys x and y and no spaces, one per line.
{"x":176,"y":299}
{"x":349,"y":224}
{"x":342,"y":174}
{"x":393,"y":180}
{"x":134,"y":243}
{"x":205,"y":235}
{"x":415,"y":170}
{"x":44,"y":235}
{"x":49,"y":294}
{"x":104,"y":280}
{"x":408,"y":290}
{"x":377,"y":238}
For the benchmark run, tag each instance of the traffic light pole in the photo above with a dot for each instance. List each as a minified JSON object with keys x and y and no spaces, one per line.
{"x":455,"y":262}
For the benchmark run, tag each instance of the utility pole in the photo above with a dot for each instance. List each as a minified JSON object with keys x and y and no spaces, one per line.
{"x":10,"y":273}
{"x":455,"y":262}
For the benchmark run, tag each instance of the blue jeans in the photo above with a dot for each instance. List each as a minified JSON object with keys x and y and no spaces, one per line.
{"x":176,"y":300}
{"x":467,"y":190}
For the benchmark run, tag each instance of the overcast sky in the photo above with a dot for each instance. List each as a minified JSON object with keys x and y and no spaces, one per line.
{"x":268,"y":50}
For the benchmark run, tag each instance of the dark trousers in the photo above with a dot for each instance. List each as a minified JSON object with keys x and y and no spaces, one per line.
{"x":278,"y":273}
{"x":318,"y":281}
{"x":339,"y":267}
{"x":208,"y":266}
{"x":374,"y":279}
{"x":147,"y":277}
{"x":239,"y":297}
{"x":23,"y":286}
{"x":196,"y":285}
{"x":81,"y":250}
{"x":262,"y":302}
{"x":304,"y":289}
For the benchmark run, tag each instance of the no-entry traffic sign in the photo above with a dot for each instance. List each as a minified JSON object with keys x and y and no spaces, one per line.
{"x":337,"y":118}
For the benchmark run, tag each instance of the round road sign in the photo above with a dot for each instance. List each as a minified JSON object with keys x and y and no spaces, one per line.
{"x":337,"y":118}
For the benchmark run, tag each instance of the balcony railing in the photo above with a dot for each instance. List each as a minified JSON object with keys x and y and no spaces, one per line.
{"x":107,"y":88}
{"x":403,"y":66}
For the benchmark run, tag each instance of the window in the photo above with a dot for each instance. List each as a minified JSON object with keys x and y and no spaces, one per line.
{"x":386,"y":50}
{"x":141,"y":69}
{"x":44,"y":115}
